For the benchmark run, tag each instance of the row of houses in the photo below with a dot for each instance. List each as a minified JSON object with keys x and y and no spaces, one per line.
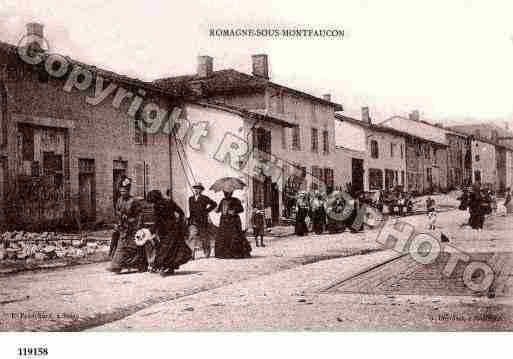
{"x":63,"y":151}
{"x":422,"y":157}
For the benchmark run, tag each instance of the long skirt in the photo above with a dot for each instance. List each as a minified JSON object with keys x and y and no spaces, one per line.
{"x":127,"y":254}
{"x":300,"y":227}
{"x":172,"y":251}
{"x":319,"y":220}
{"x":476,"y":220}
{"x":230,"y":240}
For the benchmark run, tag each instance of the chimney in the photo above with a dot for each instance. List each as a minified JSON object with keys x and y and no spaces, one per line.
{"x":327,"y":97}
{"x":260,"y":66}
{"x":205,"y":66}
{"x":414,"y":115}
{"x":365,"y":115}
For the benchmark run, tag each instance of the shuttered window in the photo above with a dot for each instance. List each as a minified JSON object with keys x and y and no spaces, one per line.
{"x":262,"y":144}
{"x":325,"y":142}
{"x":139,"y":179}
{"x":140,"y":136}
{"x":374,"y":149}
{"x":315,"y":140}
{"x":296,"y":138}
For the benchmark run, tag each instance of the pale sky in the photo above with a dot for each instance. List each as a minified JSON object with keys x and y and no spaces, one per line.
{"x":448,"y":59}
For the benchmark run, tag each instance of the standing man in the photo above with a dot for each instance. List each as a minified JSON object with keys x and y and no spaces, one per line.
{"x":199,"y":207}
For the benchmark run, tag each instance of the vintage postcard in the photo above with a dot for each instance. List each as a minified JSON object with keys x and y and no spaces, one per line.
{"x":255,"y":166}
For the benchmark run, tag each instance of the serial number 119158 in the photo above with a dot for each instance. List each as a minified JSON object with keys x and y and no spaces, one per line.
{"x":35,"y":351}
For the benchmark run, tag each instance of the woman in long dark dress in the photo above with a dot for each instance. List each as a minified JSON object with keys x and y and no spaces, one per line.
{"x":302,"y":211}
{"x":172,"y":251}
{"x":476,"y":203}
{"x":127,"y":255}
{"x":230,"y":240}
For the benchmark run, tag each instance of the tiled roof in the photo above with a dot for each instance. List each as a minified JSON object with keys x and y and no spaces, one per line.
{"x":231,"y":81}
{"x":469,"y":130}
{"x":176,"y":92}
{"x":372,"y":126}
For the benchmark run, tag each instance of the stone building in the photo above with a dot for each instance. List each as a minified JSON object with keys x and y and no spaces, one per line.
{"x":492,"y":154}
{"x":376,"y":154}
{"x":307,"y":148}
{"x":426,"y":153}
{"x":62,"y":149}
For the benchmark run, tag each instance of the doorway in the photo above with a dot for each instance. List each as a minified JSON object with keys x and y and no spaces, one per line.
{"x":87,"y":190}
{"x":119,"y":171}
{"x":357,"y":174}
{"x":275,"y":203}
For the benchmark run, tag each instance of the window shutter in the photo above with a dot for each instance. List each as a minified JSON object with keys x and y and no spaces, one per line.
{"x":140,"y":136}
{"x":139,"y":179}
{"x":147,"y":186}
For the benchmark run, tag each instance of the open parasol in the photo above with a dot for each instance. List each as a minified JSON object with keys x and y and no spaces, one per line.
{"x":227,"y":184}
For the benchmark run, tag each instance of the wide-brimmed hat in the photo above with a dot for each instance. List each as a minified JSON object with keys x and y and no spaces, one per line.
{"x":198,"y":185}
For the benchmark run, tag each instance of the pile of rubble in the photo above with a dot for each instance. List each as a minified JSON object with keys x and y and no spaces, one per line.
{"x":28,"y":246}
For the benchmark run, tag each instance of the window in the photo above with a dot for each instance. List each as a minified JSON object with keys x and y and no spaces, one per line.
{"x":389,"y":179}
{"x":283,"y":138}
{"x":402,"y":178}
{"x":315,"y":140}
{"x":375,"y":179}
{"x":296,"y":138}
{"x":142,"y":179}
{"x":262,"y":143}
{"x":325,"y":141}
{"x":374,"y":149}
{"x":392,"y":149}
{"x":477,"y":158}
{"x":140,"y":135}
{"x":402,"y":151}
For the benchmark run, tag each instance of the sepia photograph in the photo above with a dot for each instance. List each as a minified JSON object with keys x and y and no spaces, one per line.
{"x":255,"y":166}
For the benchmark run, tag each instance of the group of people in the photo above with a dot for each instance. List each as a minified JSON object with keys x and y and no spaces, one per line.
{"x":166,"y":250}
{"x":325,"y":213}
{"x":481,"y":202}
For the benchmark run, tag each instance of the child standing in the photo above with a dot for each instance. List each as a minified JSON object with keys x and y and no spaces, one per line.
{"x":259,"y":225}
{"x":431,"y":213}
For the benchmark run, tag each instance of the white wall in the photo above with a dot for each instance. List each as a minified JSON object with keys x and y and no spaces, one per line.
{"x":487,"y":162}
{"x":350,"y":136}
{"x":205,"y":167}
